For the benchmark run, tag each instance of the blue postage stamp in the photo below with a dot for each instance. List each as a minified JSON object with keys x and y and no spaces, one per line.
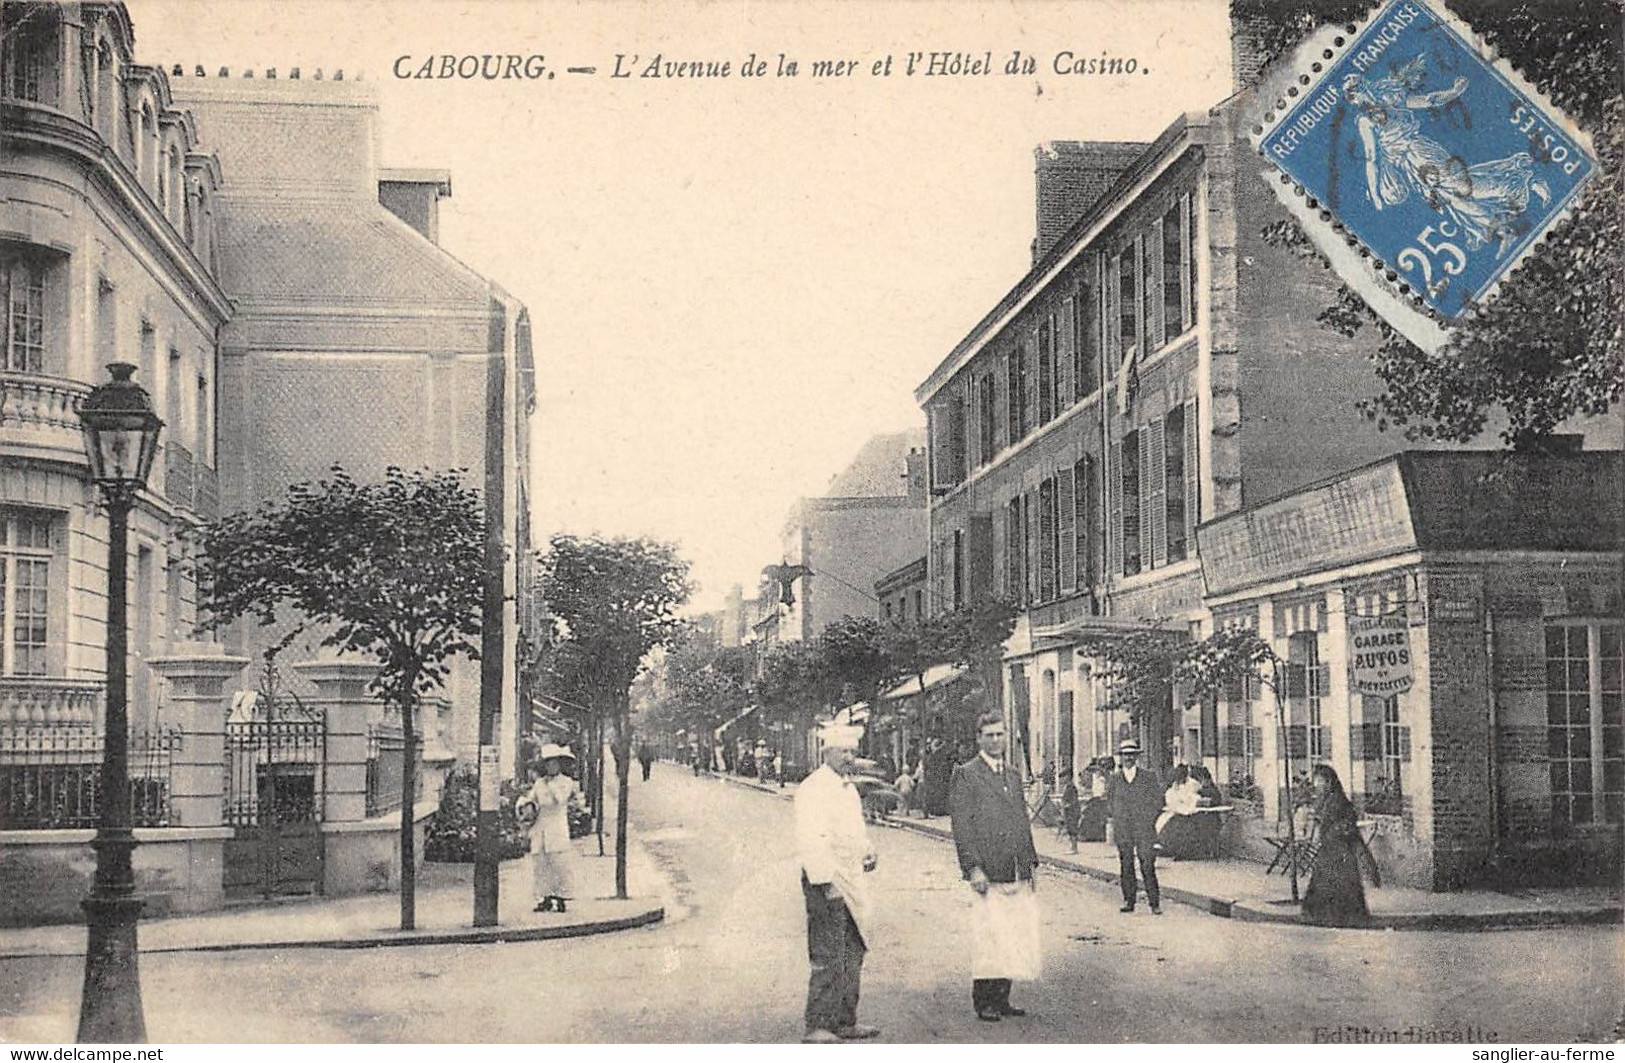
{"x":1444,"y":164}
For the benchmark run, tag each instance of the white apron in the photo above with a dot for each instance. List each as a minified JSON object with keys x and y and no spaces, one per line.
{"x":1005,"y":939}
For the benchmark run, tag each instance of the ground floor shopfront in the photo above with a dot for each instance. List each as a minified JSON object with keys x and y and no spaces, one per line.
{"x":1448,"y":641}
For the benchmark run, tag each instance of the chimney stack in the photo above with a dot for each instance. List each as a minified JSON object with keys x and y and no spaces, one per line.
{"x":1071,"y":177}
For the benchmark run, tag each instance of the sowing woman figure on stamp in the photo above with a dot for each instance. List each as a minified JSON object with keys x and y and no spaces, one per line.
{"x":1484,"y":200}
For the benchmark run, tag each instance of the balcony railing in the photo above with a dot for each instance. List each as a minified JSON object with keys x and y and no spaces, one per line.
{"x":42,"y":412}
{"x":179,"y":483}
{"x":50,"y":702}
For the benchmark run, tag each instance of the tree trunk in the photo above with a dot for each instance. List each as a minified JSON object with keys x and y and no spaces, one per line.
{"x":623,"y":776}
{"x":409,"y":786}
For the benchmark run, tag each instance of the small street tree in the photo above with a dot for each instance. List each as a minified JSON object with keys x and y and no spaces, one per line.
{"x":617,"y":599}
{"x":1224,"y":661}
{"x":392,"y":570}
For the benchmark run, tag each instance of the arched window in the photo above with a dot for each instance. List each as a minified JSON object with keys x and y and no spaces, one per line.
{"x":106,"y":86}
{"x":147,"y":146}
{"x":176,"y":204}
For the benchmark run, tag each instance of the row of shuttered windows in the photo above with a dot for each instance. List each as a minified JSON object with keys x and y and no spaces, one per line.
{"x":1141,"y":298}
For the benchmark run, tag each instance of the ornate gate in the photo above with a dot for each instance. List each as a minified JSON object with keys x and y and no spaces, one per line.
{"x":274,"y":774}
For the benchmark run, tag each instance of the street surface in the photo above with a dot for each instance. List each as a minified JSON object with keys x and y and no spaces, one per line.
{"x":730,"y":965}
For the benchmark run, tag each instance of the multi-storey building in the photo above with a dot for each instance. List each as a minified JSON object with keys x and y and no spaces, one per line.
{"x":1160,"y":368}
{"x":872,"y":520}
{"x":356,"y":338}
{"x":108,"y":254}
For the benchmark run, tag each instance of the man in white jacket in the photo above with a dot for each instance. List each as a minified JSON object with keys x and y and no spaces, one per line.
{"x":833,"y":845}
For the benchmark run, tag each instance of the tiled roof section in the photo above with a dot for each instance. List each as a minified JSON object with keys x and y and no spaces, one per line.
{"x":880,"y":468}
{"x":1490,"y":500}
{"x":335,"y":253}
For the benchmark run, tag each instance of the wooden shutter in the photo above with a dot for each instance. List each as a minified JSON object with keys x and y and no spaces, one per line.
{"x":1046,"y":540}
{"x":1193,"y":477}
{"x":1029,"y":514}
{"x":1034,"y":372}
{"x":1001,"y":578}
{"x":1153,"y":518}
{"x":1001,"y":401}
{"x":1066,"y":531}
{"x":1112,"y":327}
{"x":1088,"y":527}
{"x":1187,"y":311}
{"x":1151,"y":285}
{"x":1065,"y":348}
{"x":1114,"y":513}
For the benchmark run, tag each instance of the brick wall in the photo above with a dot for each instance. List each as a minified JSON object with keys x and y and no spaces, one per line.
{"x":1071,"y":176}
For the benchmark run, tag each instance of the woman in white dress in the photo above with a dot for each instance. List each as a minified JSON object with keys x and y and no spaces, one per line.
{"x":545,"y":809}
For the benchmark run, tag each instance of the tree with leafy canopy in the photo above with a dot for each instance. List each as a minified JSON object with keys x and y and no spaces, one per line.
{"x":617,"y":599}
{"x":1548,"y":346}
{"x":794,"y":684}
{"x":392,"y":570}
{"x":1224,"y":661}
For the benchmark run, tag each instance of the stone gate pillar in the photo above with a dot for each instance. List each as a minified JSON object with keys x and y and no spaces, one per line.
{"x":341,"y":693}
{"x":198,"y":703}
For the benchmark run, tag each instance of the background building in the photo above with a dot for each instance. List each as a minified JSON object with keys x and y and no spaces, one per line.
{"x":357,"y":340}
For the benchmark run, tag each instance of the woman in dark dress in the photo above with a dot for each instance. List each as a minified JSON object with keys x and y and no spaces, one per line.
{"x":1335,"y":896}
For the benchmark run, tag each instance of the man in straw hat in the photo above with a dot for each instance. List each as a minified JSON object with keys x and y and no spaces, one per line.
{"x":833,"y":845}
{"x":545,"y":809}
{"x":1134,"y":798}
{"x":994,"y":839}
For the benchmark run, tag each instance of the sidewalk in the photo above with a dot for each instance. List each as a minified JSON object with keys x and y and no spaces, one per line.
{"x":1239,"y":889}
{"x":445,"y":907}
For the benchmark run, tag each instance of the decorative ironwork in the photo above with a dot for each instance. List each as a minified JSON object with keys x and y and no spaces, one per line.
{"x":51,"y":779}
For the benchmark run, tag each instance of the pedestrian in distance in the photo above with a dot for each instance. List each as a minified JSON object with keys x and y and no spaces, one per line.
{"x":994,"y":841}
{"x":1134,"y":801}
{"x":545,"y":810}
{"x":646,"y":758}
{"x":832,"y":844}
{"x":1336,"y":896}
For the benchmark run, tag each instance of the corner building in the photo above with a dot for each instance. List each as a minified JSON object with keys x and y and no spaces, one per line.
{"x":1157,"y":369}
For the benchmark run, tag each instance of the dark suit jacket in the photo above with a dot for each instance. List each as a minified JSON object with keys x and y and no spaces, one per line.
{"x":991,"y":830}
{"x":1134,"y":806}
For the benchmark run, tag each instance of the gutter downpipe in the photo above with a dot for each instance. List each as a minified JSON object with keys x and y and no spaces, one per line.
{"x":1493,"y":753}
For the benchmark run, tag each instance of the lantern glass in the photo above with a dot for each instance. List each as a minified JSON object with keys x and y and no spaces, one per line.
{"x":121,"y":431}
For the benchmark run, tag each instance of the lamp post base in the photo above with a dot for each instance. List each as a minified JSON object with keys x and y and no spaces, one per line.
{"x":110,"y":1006}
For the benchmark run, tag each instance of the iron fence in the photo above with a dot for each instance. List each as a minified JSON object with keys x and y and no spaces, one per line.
{"x":386,"y":763}
{"x":274,"y":766}
{"x":51,"y":778}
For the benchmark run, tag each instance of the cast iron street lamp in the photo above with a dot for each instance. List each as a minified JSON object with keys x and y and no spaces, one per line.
{"x":121,"y":439}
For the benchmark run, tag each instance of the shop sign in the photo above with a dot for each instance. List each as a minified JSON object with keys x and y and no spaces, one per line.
{"x":1380,"y":655}
{"x":1357,"y":518}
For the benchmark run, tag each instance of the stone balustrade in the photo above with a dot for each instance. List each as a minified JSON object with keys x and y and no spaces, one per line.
{"x":41,"y":414}
{"x":40,"y":702}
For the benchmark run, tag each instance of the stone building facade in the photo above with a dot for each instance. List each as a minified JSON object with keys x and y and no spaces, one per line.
{"x":1158,"y":369}
{"x":108,"y":253}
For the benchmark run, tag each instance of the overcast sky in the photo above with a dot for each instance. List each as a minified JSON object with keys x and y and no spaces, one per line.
{"x":733,"y":282}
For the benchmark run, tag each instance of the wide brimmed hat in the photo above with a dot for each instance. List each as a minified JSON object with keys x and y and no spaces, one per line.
{"x":1128,"y":745}
{"x":551,"y":751}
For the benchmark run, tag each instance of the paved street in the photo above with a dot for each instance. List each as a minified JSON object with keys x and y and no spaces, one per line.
{"x":729,"y":965}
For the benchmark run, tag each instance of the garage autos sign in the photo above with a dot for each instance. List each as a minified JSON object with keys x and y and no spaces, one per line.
{"x":1380,"y":655}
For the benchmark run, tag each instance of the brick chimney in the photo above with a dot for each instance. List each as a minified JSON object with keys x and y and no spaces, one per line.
{"x":1071,"y":177}
{"x":915,"y":473}
{"x":1247,"y":50}
{"x":414,"y":197}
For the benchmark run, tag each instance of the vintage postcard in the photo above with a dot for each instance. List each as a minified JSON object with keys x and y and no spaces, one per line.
{"x":746,"y":522}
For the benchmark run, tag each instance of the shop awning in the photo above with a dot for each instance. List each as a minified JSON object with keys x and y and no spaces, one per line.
{"x":935,"y":676}
{"x":736,"y":719}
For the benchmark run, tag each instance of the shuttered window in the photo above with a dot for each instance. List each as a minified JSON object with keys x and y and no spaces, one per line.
{"x":1046,"y":370}
{"x":1173,"y":272}
{"x":1029,"y":513}
{"x":1014,"y":544}
{"x":1193,"y":256}
{"x":1153,"y":497}
{"x":1128,"y":302}
{"x":1046,"y":540}
{"x":1130,"y":455}
{"x":1066,"y":343}
{"x":1178,"y":529}
{"x":1087,"y":502}
{"x":1066,"y":537}
{"x":1086,"y":370}
{"x":1151,"y":287}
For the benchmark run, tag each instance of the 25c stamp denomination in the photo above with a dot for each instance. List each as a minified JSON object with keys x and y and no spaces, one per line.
{"x":1442,"y":163}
